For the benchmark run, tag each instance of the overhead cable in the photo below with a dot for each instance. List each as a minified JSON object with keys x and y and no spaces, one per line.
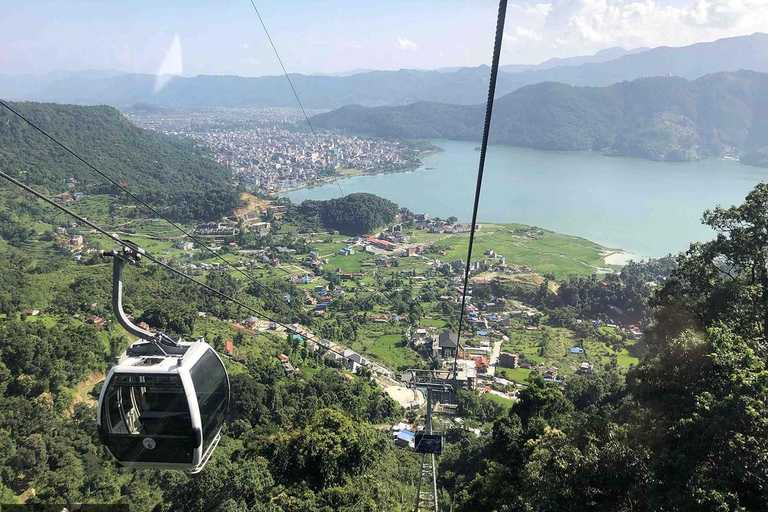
{"x":290,"y":82}
{"x":140,"y":201}
{"x":155,"y":260}
{"x":481,"y":166}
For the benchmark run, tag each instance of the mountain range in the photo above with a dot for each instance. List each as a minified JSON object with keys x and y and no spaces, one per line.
{"x":464,"y":86}
{"x":661,"y":118}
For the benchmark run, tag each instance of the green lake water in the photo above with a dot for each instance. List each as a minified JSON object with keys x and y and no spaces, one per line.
{"x":644,"y":207}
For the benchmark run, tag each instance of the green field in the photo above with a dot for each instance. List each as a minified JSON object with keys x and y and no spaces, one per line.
{"x":552,"y":252}
{"x":384,"y":344}
{"x":518,"y":375}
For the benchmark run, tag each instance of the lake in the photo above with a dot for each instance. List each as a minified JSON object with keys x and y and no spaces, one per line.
{"x":644,"y":207}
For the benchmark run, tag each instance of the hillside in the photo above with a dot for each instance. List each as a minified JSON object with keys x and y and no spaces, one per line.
{"x":164,"y":171}
{"x":462,"y":86}
{"x":663,"y":118}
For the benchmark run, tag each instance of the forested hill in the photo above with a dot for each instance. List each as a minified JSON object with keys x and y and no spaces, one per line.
{"x":662,"y":118}
{"x":165,"y":171}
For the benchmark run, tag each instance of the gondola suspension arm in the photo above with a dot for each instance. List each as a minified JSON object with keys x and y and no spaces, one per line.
{"x":131,"y":253}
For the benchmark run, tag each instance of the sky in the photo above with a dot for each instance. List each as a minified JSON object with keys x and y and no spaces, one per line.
{"x":214,"y":37}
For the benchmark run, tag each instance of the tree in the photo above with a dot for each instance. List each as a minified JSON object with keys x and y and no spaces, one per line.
{"x":725,"y":279}
{"x":706,"y":403}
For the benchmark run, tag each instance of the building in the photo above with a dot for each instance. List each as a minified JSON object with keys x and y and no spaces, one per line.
{"x":333,"y":357}
{"x":404,"y":438}
{"x":229,"y":347}
{"x":98,"y":322}
{"x":260,"y":228}
{"x":355,"y":360}
{"x":509,"y":360}
{"x":481,"y":363}
{"x":447,"y":343}
{"x":466,"y":376}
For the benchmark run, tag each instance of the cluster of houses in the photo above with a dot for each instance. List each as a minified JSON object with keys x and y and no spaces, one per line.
{"x":321,"y":298}
{"x":347,"y":358}
{"x":72,"y":243}
{"x":219,"y":231}
{"x":287,"y":366}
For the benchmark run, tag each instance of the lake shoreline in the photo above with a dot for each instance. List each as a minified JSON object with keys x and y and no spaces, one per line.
{"x":644,"y":207}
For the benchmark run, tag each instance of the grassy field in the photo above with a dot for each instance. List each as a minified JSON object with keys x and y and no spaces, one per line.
{"x":552,"y":252}
{"x":504,"y":402}
{"x":552,"y":345}
{"x":385,"y":344}
{"x":518,"y":375}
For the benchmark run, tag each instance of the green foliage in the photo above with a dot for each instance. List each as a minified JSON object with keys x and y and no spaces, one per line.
{"x":171,"y":316}
{"x":353,"y":214}
{"x":661,"y":118}
{"x":167,"y":172}
{"x":329,"y":450}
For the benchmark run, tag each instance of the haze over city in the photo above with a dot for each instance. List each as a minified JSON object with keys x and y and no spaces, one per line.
{"x":332,"y":36}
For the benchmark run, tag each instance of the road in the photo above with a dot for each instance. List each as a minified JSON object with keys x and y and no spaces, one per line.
{"x":494,"y":356}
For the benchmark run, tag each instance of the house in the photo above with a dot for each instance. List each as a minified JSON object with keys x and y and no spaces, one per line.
{"x":447,"y":343}
{"x":326,"y":343}
{"x":466,"y":376}
{"x":481,"y":363}
{"x":404,"y":438}
{"x":355,"y":360}
{"x":333,"y":357}
{"x":283,"y":358}
{"x":260,"y":228}
{"x":229,"y":347}
{"x":509,"y":360}
{"x":31,"y":312}
{"x":584,"y":367}
{"x":577,"y":350}
{"x":98,"y":322}
{"x":251,"y":321}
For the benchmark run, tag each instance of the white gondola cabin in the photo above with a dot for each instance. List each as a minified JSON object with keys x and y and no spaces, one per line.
{"x":164,"y":401}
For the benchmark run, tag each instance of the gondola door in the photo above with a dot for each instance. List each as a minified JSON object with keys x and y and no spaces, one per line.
{"x":146,"y":422}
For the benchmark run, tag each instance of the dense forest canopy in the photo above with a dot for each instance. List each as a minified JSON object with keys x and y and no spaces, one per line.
{"x":661,"y":118}
{"x":167,"y":172}
{"x":353,"y":214}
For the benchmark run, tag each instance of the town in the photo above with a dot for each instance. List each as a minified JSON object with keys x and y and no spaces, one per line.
{"x":271,"y":150}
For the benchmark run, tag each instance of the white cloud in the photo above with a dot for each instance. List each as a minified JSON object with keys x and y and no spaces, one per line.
{"x":406,"y":44}
{"x":585,"y":26}
{"x":245,"y":46}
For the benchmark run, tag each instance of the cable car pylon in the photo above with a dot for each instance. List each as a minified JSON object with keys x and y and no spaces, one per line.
{"x":436,"y":385}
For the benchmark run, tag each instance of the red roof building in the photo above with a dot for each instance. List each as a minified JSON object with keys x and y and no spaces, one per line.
{"x":229,"y":347}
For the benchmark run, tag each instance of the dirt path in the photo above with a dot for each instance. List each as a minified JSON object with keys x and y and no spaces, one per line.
{"x":84,"y":388}
{"x":251,"y":203}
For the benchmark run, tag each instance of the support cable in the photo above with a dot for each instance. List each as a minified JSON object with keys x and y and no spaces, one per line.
{"x":155,"y":260}
{"x":201,"y":243}
{"x":481,"y":167}
{"x":290,"y":82}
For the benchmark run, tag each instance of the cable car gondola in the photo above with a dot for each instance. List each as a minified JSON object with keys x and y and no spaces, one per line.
{"x":163,"y":403}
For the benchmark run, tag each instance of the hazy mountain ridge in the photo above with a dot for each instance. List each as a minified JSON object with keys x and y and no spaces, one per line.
{"x":661,"y":118}
{"x":465,"y":86}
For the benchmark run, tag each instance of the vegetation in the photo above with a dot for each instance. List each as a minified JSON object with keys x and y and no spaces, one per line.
{"x":353,"y":214}
{"x":681,"y":428}
{"x":661,"y":118}
{"x":167,"y":172}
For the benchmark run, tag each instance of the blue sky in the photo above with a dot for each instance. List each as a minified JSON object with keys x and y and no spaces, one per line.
{"x":322,"y":36}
